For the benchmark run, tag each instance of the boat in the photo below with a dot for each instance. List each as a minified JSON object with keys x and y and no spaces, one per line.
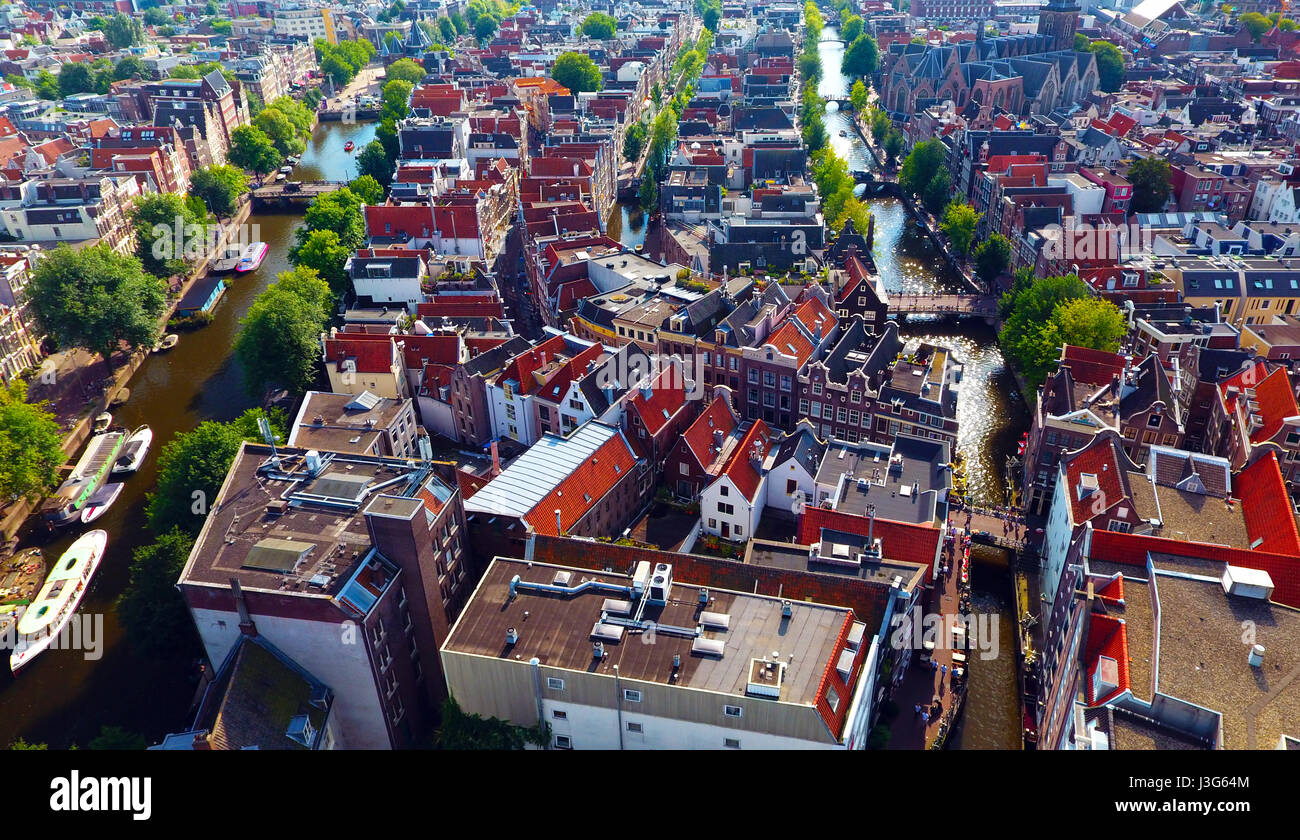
{"x":280,"y":177}
{"x":20,"y":576}
{"x":348,"y":146}
{"x":252,"y":258}
{"x":49,"y":612}
{"x":166,"y":343}
{"x":102,"y":422}
{"x":286,"y":170}
{"x":843,"y":133}
{"x":100,"y":501}
{"x":133,"y":451}
{"x":227,"y":261}
{"x":64,"y":506}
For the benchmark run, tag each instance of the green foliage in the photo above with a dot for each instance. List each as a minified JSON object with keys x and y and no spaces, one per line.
{"x":461,"y":731}
{"x":648,"y":195}
{"x":858,"y":96}
{"x":96,"y":299}
{"x":251,"y":149}
{"x":1110,"y":65}
{"x":129,"y":67}
{"x":47,"y":85}
{"x":191,"y":469}
{"x":279,"y":338}
{"x":634,"y":142}
{"x":367,"y":189}
{"x":373,"y":163}
{"x":1049,"y":313}
{"x":446,"y":30}
{"x":921,"y":166}
{"x":75,"y":78}
{"x":599,"y":26}
{"x":322,"y":252}
{"x":122,"y":31}
{"x":1151,"y":184}
{"x":342,"y":61}
{"x":219,"y":188}
{"x":30,"y":453}
{"x":992,"y":257}
{"x":485,"y":27}
{"x":154,"y":17}
{"x":862,"y":58}
{"x":152,"y":611}
{"x":281,"y":131}
{"x":959,"y":221}
{"x":710,"y":12}
{"x":156,"y":218}
{"x":577,"y":72}
{"x":339,"y":211}
{"x":20,"y":744}
{"x":850,"y":28}
{"x":812,"y":21}
{"x":405,"y":69}
{"x":1081,"y":43}
{"x":1256,"y":23}
{"x":894,"y":147}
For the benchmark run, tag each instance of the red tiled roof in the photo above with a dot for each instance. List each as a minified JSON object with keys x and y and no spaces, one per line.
{"x":522,"y":367}
{"x":371,"y":356}
{"x":740,"y":467}
{"x":584,"y":487}
{"x":899,"y":540}
{"x":667,"y":396}
{"x":1107,"y":636}
{"x":1267,"y":507}
{"x":1100,"y":458}
{"x":435,"y":349}
{"x":1272,"y":392}
{"x":699,"y":436}
{"x":791,"y":341}
{"x":1096,"y":367}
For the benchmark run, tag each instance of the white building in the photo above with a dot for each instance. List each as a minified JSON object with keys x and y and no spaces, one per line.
{"x":313,"y":23}
{"x":731,"y":505}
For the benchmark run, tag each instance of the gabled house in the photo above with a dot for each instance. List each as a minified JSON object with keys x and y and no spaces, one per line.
{"x":731,"y":504}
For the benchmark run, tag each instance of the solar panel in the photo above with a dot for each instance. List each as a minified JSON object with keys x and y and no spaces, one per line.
{"x":363,"y":402}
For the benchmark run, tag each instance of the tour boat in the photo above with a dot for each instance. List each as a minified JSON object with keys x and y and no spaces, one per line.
{"x":53,"y":606}
{"x":252,"y":258}
{"x":134,"y":451}
{"x":100,"y":502}
{"x":167,"y":342}
{"x":20,"y":576}
{"x":347,"y":147}
{"x":64,"y":507}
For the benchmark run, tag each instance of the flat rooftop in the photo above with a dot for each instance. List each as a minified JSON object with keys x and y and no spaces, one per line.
{"x":798,"y":558}
{"x":558,"y":630}
{"x":343,"y":422}
{"x":901,"y":483}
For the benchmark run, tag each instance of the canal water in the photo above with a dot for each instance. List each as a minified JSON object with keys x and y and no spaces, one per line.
{"x":62,"y":698}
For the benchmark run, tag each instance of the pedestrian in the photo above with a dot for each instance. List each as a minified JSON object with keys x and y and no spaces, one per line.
{"x":918,"y":710}
{"x":925,"y":717}
{"x":944,"y":669}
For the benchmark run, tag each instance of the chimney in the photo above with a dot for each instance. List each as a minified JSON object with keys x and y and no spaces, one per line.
{"x":871,"y":233}
{"x":496,"y":460}
{"x":246,"y":625}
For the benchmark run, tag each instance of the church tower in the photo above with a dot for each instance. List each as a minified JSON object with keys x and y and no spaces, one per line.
{"x":1059,"y":20}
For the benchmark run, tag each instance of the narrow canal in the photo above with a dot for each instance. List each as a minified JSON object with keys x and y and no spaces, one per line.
{"x":62,"y":698}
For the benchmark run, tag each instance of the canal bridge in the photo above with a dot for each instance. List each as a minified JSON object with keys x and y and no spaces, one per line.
{"x":289,"y":194}
{"x":957,"y":306}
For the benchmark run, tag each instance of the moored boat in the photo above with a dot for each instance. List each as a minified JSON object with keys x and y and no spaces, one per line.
{"x":49,"y":612}
{"x":166,"y":343}
{"x":133,"y":451}
{"x":252,"y":258}
{"x":20,"y":576}
{"x":64,"y":506}
{"x":102,"y":422}
{"x":348,"y":146}
{"x":100,"y":501}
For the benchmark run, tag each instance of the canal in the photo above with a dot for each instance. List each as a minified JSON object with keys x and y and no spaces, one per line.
{"x":62,"y":698}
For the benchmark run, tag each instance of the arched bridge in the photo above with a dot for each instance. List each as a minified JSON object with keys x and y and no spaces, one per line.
{"x":292,"y":193}
{"x":974,"y":306}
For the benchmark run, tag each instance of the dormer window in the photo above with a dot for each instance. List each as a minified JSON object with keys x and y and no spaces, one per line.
{"x":379,"y":270}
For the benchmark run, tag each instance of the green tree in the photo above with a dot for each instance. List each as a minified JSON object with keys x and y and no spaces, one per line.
{"x":485,"y":27}
{"x":648,"y":195}
{"x":30,"y":445}
{"x":302,"y":119}
{"x":374,"y":162}
{"x":1110,"y":65}
{"x":858,"y":96}
{"x":251,"y":149}
{"x":115,"y":737}
{"x":938,"y":192}
{"x":279,"y":338}
{"x":322,"y":252}
{"x":1151,"y":184}
{"x":191,"y":469}
{"x":1088,"y":322}
{"x":395,"y":98}
{"x":275,"y":125}
{"x":921,"y":164}
{"x":339,"y":211}
{"x":447,"y":30}
{"x":992,"y":257}
{"x":959,"y":221}
{"x":47,"y":85}
{"x":337,"y":69}
{"x":712,"y":15}
{"x":461,"y":731}
{"x":851,"y":28}
{"x":1025,"y":338}
{"x":366,"y":188}
{"x":122,"y":31}
{"x":634,"y":142}
{"x":894,"y":144}
{"x":152,"y":611}
{"x":577,"y":72}
{"x":1081,"y":43}
{"x":167,"y":231}
{"x":862,"y":57}
{"x":405,"y":69}
{"x":600,"y":26}
{"x":1256,"y":23}
{"x":20,"y":744}
{"x":75,"y":78}
{"x":96,"y":299}
{"x":458,"y":22}
{"x":219,"y":187}
{"x":129,"y":67}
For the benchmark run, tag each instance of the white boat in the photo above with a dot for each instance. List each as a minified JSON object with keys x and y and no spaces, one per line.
{"x":167,"y":342}
{"x":54,"y":605}
{"x":102,"y":422}
{"x":134,"y":451}
{"x":253,"y":256}
{"x":99,"y":503}
{"x":96,"y":463}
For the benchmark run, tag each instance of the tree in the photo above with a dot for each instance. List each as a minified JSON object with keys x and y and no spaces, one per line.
{"x":152,"y":611}
{"x":1023,"y":337}
{"x":1151,"y":184}
{"x":992,"y":257}
{"x":458,"y":23}
{"x":851,"y":28}
{"x":712,"y":14}
{"x":894,"y":144}
{"x":47,"y":85}
{"x":75,"y":78}
{"x":600,"y":26}
{"x":858,"y":96}
{"x":275,"y":125}
{"x":302,"y":119}
{"x":1110,"y":65}
{"x":321,"y":252}
{"x":279,"y":338}
{"x":461,"y":731}
{"x":936,"y":194}
{"x":96,"y":299}
{"x":862,"y":57}
{"x":921,"y":165}
{"x":191,"y":469}
{"x":634,"y":142}
{"x":338,"y":70}
{"x":129,"y":67}
{"x":122,"y":31}
{"x":395,"y":98}
{"x":577,"y":72}
{"x":219,"y":187}
{"x":367,"y":189}
{"x":485,"y":27}
{"x":167,"y":231}
{"x":20,"y":744}
{"x":251,"y":149}
{"x":405,"y":69}
{"x":373,"y":162}
{"x":30,"y":445}
{"x":339,"y":211}
{"x":1081,"y":43}
{"x":1256,"y":23}
{"x":115,"y":737}
{"x":154,"y":17}
{"x":1088,"y":322}
{"x":648,"y":195}
{"x":959,"y":221}
{"x":447,"y":30}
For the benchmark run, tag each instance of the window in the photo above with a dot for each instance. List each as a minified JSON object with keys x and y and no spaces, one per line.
{"x":732,"y":711}
{"x":753,"y":376}
{"x":685,"y":470}
{"x":1153,"y":421}
{"x":769,"y":379}
{"x":731,"y":743}
{"x":740,"y":531}
{"x":817,"y":389}
{"x":634,"y":727}
{"x":791,"y":486}
{"x":803,"y":407}
{"x":855,"y":396}
{"x":713,"y":523}
{"x":832,"y":698}
{"x":563,"y":742}
{"x":726,"y":509}
{"x":631,"y":695}
{"x":724,"y":490}
{"x":559,"y":715}
{"x":554,"y":684}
